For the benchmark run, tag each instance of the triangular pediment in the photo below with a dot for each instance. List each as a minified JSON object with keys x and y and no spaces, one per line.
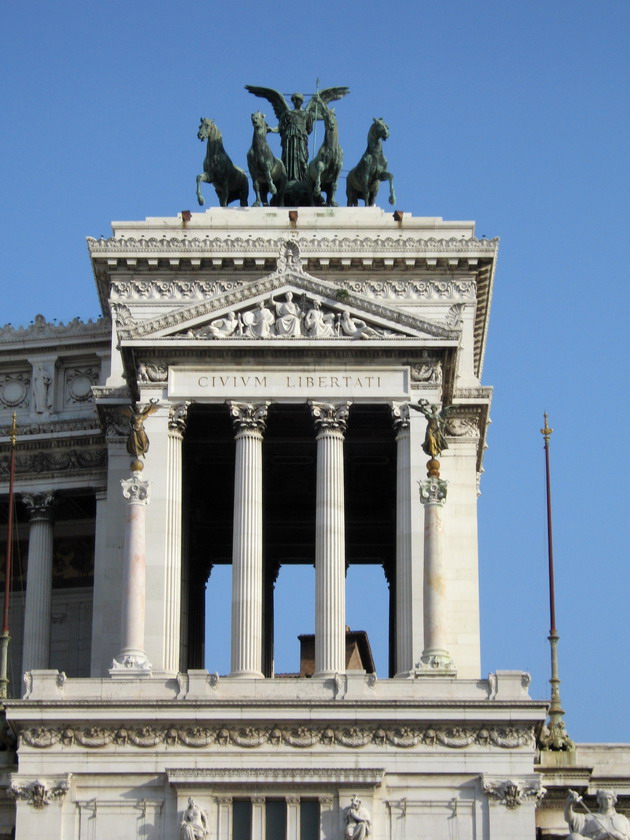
{"x":288,"y":304}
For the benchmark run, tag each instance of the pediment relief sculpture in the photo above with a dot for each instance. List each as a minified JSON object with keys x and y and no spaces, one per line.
{"x":290,"y":317}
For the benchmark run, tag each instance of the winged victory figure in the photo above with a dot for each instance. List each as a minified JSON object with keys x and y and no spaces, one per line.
{"x":295,"y":125}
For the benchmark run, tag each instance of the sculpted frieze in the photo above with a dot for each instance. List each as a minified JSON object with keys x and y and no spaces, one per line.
{"x":298,"y":737}
{"x":385,"y":289}
{"x":68,"y":460}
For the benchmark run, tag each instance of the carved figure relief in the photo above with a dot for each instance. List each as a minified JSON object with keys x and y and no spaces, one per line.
{"x":600,"y":826}
{"x":288,"y":318}
{"x":42,"y":389}
{"x":194,"y":825}
{"x":427,"y":372}
{"x":358,"y":820}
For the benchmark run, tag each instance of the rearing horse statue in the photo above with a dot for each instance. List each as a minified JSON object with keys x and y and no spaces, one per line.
{"x":229,"y":181}
{"x":267,"y":172}
{"x":363,"y":180}
{"x":324,"y":169}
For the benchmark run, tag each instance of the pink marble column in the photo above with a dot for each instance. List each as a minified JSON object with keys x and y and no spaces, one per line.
{"x":132,"y":655}
{"x":330,"y":569}
{"x":247,"y":548}
{"x":36,"y":647}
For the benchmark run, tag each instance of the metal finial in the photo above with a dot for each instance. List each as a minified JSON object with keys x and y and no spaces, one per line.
{"x":546,"y":430}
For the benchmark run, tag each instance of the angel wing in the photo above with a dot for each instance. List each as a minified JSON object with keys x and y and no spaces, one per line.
{"x":325,"y":96}
{"x":332,"y":93}
{"x":277,"y":100}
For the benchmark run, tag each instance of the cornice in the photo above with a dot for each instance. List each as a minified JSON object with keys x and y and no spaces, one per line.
{"x":230,"y":245}
{"x":43,"y":330}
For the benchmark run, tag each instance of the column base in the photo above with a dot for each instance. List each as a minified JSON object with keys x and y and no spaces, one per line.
{"x":435,"y":662}
{"x":247,"y":675}
{"x":131,"y":663}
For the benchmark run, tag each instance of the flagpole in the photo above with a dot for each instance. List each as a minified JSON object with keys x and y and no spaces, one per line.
{"x":555,"y":737}
{"x":4,"y":636}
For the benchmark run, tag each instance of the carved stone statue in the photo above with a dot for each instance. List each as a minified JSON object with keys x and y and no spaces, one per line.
{"x":288,"y":318}
{"x":358,"y":820}
{"x":42,"y":391}
{"x":295,"y":125}
{"x":194,"y":825}
{"x":138,"y":441}
{"x":606,"y":823}
{"x":259,"y":322}
{"x":434,"y":440}
{"x":319,"y":324}
{"x":224,"y":327}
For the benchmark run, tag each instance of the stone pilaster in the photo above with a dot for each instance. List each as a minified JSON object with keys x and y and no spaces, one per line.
{"x":36,"y":648}
{"x":247,"y":550}
{"x":330,"y":607}
{"x":293,"y":818}
{"x":132,"y":656}
{"x":435,"y":657}
{"x":173,"y":559}
{"x":404,"y":583}
{"x":258,"y":818}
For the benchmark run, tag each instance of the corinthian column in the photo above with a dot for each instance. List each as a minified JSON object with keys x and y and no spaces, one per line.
{"x":173,"y":559}
{"x":36,"y":648}
{"x":330,"y":605}
{"x":247,"y":551}
{"x":404,"y":583}
{"x":132,"y":655}
{"x":435,"y":656}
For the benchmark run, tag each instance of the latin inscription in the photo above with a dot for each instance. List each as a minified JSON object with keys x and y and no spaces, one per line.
{"x":203,"y":383}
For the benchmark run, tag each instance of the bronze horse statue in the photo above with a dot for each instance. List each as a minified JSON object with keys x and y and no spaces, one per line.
{"x":324,"y":169}
{"x":363,"y":180}
{"x":267,"y":172}
{"x":229,"y":181}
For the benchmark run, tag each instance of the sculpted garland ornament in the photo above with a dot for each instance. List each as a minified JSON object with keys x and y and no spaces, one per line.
{"x":298,"y":737}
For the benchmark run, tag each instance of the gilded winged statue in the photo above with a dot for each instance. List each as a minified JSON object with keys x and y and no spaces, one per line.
{"x":295,"y":125}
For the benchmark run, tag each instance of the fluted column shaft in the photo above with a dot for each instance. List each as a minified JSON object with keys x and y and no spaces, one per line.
{"x":132,"y":654}
{"x":404,"y":584}
{"x":36,"y":647}
{"x":330,"y":604}
{"x":247,"y":543}
{"x":172,"y":601}
{"x":435,"y":654}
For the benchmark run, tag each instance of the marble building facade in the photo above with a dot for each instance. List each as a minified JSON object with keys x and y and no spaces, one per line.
{"x":275,"y":358}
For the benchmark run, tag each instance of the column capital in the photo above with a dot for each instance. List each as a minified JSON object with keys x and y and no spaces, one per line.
{"x":400,"y":416}
{"x":135,"y":490}
{"x":39,"y":505}
{"x":248,"y":417}
{"x":177,"y":416}
{"x":433,"y":491}
{"x":330,"y":417}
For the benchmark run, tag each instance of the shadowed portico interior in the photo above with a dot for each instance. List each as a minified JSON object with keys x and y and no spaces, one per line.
{"x":289,"y":480}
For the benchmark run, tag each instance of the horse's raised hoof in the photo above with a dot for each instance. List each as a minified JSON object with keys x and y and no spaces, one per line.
{"x":201,"y":200}
{"x":392,"y":199}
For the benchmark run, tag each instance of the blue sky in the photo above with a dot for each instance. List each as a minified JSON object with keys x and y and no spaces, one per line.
{"x":512,"y":114}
